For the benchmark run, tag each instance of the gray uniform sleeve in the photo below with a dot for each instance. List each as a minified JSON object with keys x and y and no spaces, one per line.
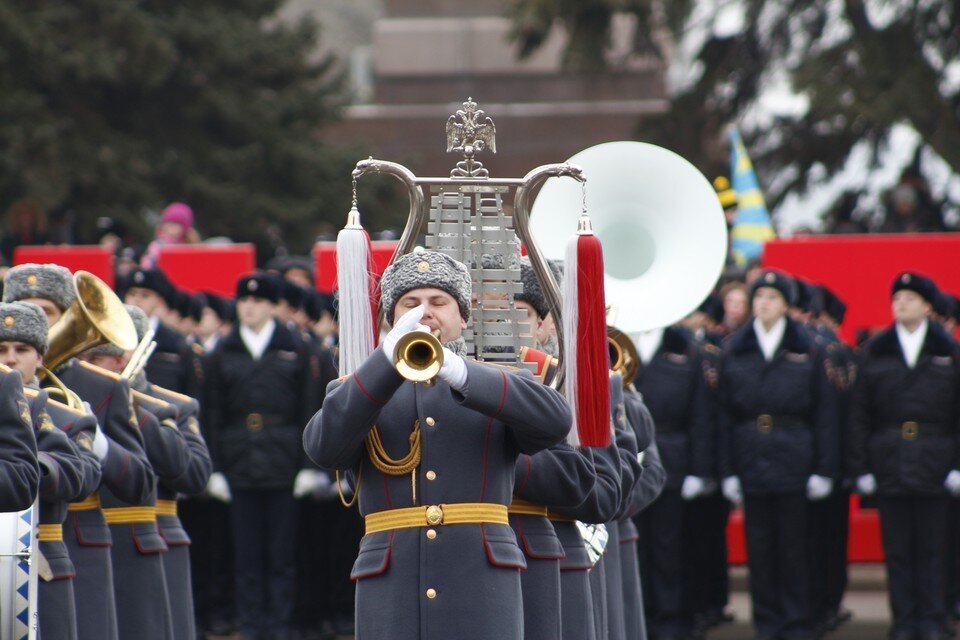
{"x":126,"y":470}
{"x":19,"y":471}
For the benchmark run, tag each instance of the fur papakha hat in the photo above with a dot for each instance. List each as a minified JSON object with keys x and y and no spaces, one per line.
{"x":426,"y":269}
{"x":24,"y":322}
{"x":49,"y":281}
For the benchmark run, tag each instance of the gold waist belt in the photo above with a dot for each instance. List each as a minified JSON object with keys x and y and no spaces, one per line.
{"x":167,"y":508}
{"x":50,"y":532}
{"x":130,"y":515}
{"x":521,"y":507}
{"x":558,"y":518}
{"x":437,"y":515}
{"x":91,"y":503}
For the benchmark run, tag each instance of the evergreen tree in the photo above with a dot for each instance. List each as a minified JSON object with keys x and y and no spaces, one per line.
{"x":863,"y":66}
{"x":117,"y":107}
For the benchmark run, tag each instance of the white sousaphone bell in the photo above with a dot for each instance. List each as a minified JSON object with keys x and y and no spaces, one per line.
{"x":659,"y":220}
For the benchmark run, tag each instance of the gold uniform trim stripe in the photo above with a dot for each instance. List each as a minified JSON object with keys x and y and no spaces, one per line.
{"x":435,"y":515}
{"x":50,"y":532}
{"x":522,"y":507}
{"x":166,"y":508}
{"x":130,"y":515}
{"x":91,"y":503}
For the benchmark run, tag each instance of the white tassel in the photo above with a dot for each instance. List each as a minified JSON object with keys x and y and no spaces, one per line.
{"x":353,"y":282}
{"x":570,"y":335}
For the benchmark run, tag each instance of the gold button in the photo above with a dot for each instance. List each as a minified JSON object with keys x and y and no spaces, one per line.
{"x":423,"y":266}
{"x":9,"y":321}
{"x":431,"y":593}
{"x":430,"y":422}
{"x":431,"y":534}
{"x":31,"y":280}
{"x":431,"y":475}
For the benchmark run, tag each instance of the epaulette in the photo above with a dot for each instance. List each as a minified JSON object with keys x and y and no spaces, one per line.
{"x":144,"y":398}
{"x":170,"y":393}
{"x":99,"y":370}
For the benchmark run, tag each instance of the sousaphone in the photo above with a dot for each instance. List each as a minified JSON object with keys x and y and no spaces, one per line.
{"x":662,"y":228}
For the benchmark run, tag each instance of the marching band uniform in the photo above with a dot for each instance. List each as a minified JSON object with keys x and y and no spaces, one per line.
{"x":779,"y":441}
{"x":126,"y":474}
{"x":670,"y":379}
{"x":903,"y":445}
{"x":649,"y":484}
{"x":435,"y":572}
{"x":257,"y":409}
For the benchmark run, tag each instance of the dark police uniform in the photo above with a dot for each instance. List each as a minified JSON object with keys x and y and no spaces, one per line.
{"x":174,"y":364}
{"x":21,"y":472}
{"x":437,"y":571}
{"x":904,"y":430}
{"x":673,"y":387}
{"x":127,"y":479}
{"x":257,"y":409}
{"x":176,"y":562}
{"x":778,"y":426}
{"x":62,"y":479}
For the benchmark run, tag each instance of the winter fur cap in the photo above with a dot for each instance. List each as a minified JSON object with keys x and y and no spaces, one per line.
{"x":423,"y":270}
{"x":921,"y":285}
{"x":49,"y":281}
{"x":778,"y":280}
{"x":532,"y":291}
{"x":24,"y":322}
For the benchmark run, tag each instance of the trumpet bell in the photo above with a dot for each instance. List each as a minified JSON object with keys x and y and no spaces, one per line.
{"x":96,"y":317}
{"x":624,"y":357}
{"x":418,"y":356}
{"x":658,"y":218}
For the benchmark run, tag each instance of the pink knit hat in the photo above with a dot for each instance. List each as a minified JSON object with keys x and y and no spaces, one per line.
{"x":179,"y":213}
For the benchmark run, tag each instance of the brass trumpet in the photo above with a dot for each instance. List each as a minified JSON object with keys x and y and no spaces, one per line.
{"x":419,"y":356}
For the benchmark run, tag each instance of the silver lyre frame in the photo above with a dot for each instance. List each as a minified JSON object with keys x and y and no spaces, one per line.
{"x":419,"y":213}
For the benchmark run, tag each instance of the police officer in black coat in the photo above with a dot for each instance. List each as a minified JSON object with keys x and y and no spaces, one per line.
{"x":670,"y":378}
{"x":903,"y":447}
{"x":173,"y":365}
{"x":260,"y":393}
{"x":779,"y":447}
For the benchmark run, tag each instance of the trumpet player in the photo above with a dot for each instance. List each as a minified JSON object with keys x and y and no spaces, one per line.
{"x":434,"y":480}
{"x":127,"y":477}
{"x":23,"y":341}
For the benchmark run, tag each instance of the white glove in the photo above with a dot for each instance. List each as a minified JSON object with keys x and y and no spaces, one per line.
{"x":454,"y":370}
{"x":692,"y":487}
{"x":818,"y":487}
{"x":867,"y":484}
{"x":952,"y":483}
{"x":101,"y":445}
{"x":218,"y":488}
{"x":410,"y":321}
{"x":732,"y":490}
{"x":309,"y":482}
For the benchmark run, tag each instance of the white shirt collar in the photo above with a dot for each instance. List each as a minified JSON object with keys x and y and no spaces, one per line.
{"x":911,"y":343}
{"x":769,"y":340}
{"x":647,"y":344}
{"x":211,"y":343}
{"x":256,"y":343}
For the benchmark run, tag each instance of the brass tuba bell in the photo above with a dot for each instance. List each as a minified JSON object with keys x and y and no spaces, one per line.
{"x":96,"y":317}
{"x":624,"y":358}
{"x":419,"y":356}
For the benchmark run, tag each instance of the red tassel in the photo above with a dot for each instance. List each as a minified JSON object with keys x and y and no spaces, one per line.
{"x":593,"y":371}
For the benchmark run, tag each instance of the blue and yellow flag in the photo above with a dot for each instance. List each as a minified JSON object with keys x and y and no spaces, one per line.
{"x":752,"y":227}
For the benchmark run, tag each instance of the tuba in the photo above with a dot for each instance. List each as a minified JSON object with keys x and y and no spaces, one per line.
{"x":96,"y":317}
{"x":663,"y":232}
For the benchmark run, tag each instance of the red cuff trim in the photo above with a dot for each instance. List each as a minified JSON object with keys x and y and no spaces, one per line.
{"x":363,"y":389}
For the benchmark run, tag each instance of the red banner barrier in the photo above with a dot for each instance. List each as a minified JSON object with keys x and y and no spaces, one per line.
{"x":861,"y":268}
{"x":325,"y":261}
{"x":204,"y":267}
{"x":93,"y":258}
